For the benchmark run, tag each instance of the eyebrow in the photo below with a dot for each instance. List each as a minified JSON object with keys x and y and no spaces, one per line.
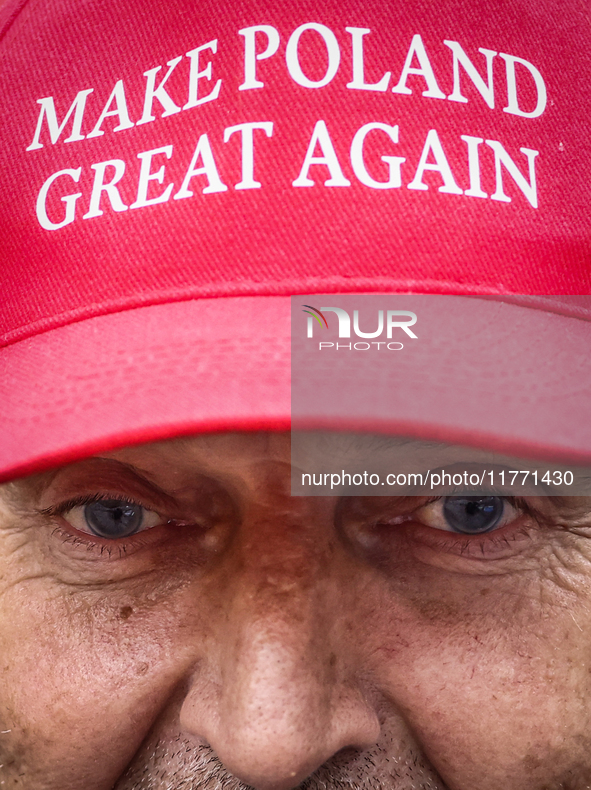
{"x":376,"y":442}
{"x":317,"y":451}
{"x":93,"y":472}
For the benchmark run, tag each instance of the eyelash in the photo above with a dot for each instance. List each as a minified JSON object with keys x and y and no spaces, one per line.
{"x":439,"y":539}
{"x":464,"y":544}
{"x":93,"y":543}
{"x":87,"y":499}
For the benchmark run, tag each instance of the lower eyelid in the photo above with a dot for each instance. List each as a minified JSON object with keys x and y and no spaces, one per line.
{"x":92,"y":547}
{"x":499,"y":544}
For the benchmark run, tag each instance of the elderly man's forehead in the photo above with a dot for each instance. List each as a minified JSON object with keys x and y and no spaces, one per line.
{"x":166,"y":463}
{"x":241,"y":452}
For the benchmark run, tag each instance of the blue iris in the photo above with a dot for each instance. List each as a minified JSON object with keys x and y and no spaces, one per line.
{"x":113,"y":518}
{"x":473,"y":515}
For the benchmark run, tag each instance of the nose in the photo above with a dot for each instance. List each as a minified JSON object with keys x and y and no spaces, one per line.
{"x":279,"y":690}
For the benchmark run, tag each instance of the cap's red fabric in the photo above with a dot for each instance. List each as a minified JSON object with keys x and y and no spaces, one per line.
{"x":482,"y":373}
{"x":166,"y":153}
{"x":143,"y":375}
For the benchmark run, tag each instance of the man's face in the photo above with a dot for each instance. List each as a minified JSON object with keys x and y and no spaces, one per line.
{"x":171,"y":618}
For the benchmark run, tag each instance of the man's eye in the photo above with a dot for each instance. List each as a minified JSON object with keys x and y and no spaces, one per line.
{"x":468,"y":515}
{"x":111,"y":518}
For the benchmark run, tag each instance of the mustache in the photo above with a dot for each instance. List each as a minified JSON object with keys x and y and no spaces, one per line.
{"x":182,"y":765}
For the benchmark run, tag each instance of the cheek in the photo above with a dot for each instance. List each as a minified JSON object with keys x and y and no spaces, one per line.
{"x":488,"y":680}
{"x":83,"y":676}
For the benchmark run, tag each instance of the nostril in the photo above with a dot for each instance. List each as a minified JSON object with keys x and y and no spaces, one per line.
{"x":276,"y":744}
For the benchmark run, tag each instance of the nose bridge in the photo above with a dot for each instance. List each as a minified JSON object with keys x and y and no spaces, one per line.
{"x":277,"y":671}
{"x":283,"y":558}
{"x":280,"y":691}
{"x":286,"y":565}
{"x":282,"y":619}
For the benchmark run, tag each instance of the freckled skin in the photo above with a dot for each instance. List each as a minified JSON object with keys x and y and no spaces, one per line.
{"x":254,"y":639}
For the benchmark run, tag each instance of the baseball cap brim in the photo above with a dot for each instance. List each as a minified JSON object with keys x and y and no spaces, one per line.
{"x":223,"y":364}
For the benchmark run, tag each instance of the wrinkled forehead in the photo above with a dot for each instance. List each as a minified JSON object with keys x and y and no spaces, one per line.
{"x":279,"y":461}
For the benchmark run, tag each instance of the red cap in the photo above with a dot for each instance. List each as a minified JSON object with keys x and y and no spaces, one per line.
{"x":172,"y":172}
